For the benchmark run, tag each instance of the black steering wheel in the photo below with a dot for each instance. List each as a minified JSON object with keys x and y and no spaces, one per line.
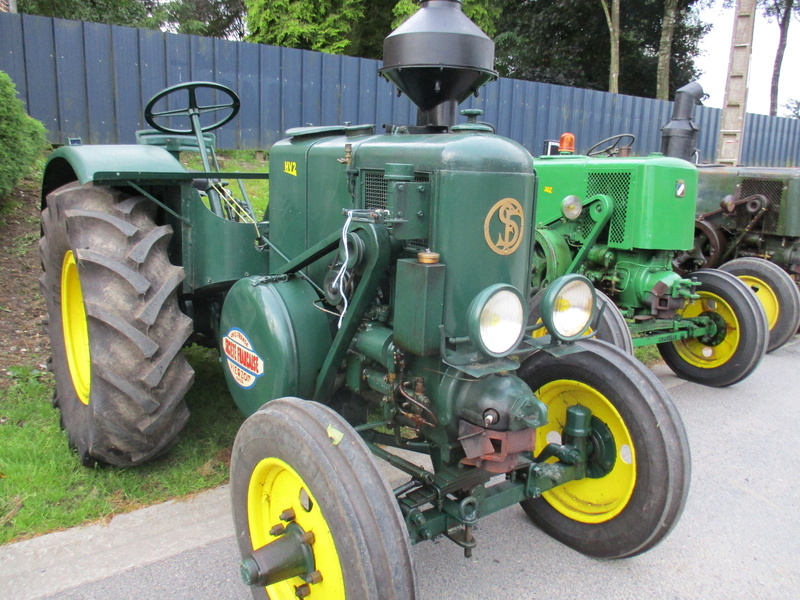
{"x":613,"y":148}
{"x":194,"y":110}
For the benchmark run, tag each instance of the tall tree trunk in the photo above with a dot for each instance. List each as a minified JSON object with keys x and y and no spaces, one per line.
{"x":612,"y":20}
{"x":665,"y":48}
{"x":783,"y":22}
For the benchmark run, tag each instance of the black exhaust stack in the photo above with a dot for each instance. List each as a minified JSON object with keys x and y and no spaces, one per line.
{"x":438,"y":57}
{"x":679,"y":136}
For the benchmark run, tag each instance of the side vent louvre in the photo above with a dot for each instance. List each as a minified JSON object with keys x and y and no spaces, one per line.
{"x":616,"y":185}
{"x":375,"y":191}
{"x":772,"y":190}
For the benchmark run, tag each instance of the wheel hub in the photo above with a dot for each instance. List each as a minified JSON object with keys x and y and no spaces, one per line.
{"x":603,"y":450}
{"x":290,"y":555}
{"x":717,"y":332}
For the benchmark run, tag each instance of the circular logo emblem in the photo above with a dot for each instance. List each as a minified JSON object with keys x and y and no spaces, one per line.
{"x":244,"y":364}
{"x":504,"y":224}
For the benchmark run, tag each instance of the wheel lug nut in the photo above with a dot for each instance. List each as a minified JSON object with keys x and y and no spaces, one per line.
{"x":288,"y":515}
{"x":314,"y":577}
{"x":277,"y":529}
{"x":308,"y":537}
{"x":301,"y":591}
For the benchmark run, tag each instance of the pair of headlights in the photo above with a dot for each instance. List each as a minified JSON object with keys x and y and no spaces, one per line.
{"x":498,"y":315}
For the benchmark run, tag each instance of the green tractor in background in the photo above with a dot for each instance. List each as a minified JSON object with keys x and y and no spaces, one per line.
{"x":745,"y":216}
{"x":358,"y":299}
{"x":618,"y":220}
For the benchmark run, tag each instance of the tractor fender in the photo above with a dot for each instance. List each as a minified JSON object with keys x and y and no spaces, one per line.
{"x":273,"y":340}
{"x":83,"y":163}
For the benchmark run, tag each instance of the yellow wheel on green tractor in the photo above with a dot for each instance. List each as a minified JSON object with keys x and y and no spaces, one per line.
{"x":740,"y":336}
{"x":76,"y":329}
{"x":277,"y":495}
{"x":700,"y":354}
{"x":638,"y":466}
{"x":312,"y":513}
{"x":605,"y":493}
{"x":777,"y":293}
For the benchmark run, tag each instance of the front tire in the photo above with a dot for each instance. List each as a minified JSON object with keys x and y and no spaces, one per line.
{"x":293,"y":449}
{"x":730,"y":359}
{"x":114,"y":324}
{"x":639,"y":464}
{"x":777,"y":293}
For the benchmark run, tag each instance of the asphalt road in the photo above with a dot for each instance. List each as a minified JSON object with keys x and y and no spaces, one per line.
{"x":739,"y":536}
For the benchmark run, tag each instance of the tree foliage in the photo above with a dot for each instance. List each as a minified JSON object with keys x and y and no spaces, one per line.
{"x":22,"y":138}
{"x":792,"y":109}
{"x":354,"y":27}
{"x":114,"y":12}
{"x":781,"y":11}
{"x":566,"y":42}
{"x":322,"y":25}
{"x":212,"y":18}
{"x":484,"y":13}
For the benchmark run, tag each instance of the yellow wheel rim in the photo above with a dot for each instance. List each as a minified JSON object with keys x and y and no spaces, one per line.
{"x":588,"y":500}
{"x":695,"y":352}
{"x":766,"y":295}
{"x":76,"y":329}
{"x":275,"y":487}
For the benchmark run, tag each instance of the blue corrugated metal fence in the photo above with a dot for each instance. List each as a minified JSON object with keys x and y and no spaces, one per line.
{"x":92,"y":81}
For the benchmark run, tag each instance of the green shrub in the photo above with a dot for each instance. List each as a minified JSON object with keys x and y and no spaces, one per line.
{"x":22,"y":138}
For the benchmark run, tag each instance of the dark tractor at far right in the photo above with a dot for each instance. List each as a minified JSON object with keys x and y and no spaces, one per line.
{"x":748,"y":223}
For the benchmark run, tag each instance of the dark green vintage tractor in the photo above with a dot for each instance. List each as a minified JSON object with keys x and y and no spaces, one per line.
{"x":382,"y":305}
{"x":745,"y":217}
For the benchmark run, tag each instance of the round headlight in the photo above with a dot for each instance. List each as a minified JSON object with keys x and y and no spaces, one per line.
{"x":496,"y":320}
{"x":571,"y":207}
{"x":568,"y":307}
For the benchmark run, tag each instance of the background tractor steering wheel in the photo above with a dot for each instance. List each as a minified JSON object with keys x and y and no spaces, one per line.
{"x":613,"y":148}
{"x":193,"y":110}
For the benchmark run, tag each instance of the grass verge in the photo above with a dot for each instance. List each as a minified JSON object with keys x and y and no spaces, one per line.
{"x":44,"y":488}
{"x":243,"y":161}
{"x":648,"y":355}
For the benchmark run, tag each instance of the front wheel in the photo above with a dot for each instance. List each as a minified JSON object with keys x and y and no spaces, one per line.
{"x":777,"y":293}
{"x":638,"y":469}
{"x":742,"y":335}
{"x":298,"y":468}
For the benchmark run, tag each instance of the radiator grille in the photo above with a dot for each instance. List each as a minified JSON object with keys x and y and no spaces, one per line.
{"x":375,"y":191}
{"x":772,"y":189}
{"x":616,"y":185}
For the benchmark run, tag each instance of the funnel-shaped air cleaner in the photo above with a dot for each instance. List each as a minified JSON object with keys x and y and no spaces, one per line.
{"x":438,"y":57}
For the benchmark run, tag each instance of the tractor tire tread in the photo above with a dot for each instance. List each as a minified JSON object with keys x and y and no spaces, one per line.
{"x":138,"y":374}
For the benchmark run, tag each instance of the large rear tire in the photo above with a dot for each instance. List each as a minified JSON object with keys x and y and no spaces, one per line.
{"x":730,"y":359}
{"x":777,"y":293}
{"x":611,"y":327}
{"x":639,"y":464}
{"x":300,"y":456}
{"x":114,"y":323}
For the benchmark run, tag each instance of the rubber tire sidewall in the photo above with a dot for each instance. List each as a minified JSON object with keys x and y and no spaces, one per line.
{"x":365,"y":521}
{"x":663,"y":468}
{"x":784,"y":288}
{"x":752,"y":330}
